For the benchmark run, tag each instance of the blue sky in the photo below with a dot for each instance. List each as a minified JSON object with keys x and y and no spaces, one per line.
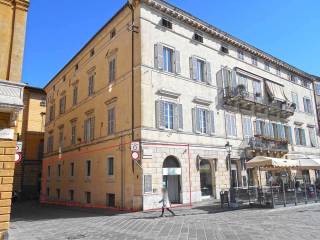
{"x":288,"y":29}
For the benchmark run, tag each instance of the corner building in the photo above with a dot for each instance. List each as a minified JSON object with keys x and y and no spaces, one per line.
{"x":193,"y":89}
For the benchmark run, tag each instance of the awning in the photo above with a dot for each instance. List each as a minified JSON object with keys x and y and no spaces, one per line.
{"x":275,"y":91}
{"x":268,"y":162}
{"x":305,"y":161}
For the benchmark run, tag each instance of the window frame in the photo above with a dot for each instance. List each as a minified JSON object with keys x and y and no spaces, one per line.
{"x":110,"y":171}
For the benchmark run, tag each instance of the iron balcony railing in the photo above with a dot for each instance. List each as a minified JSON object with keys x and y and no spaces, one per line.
{"x":239,"y":94}
{"x":268,"y":144}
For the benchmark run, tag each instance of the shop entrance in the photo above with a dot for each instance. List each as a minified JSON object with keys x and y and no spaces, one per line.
{"x":205,"y":178}
{"x":171,"y":171}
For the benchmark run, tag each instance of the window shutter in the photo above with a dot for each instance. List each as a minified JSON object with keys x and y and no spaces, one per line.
{"x":211,"y":122}
{"x":177,"y":61}
{"x":92,"y":128}
{"x":85,"y":131}
{"x":180,"y":117}
{"x":208,"y":73}
{"x":193,"y":68}
{"x":303,"y":137}
{"x":305,"y":105}
{"x":297,"y":136}
{"x":258,"y":128}
{"x":195,"y":121}
{"x":312,"y":137}
{"x":234,"y":125}
{"x":198,"y":128}
{"x":160,"y":121}
{"x":158,"y":56}
{"x":290,"y":135}
{"x":225,"y":77}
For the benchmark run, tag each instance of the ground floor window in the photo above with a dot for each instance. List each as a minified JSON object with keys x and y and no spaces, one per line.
{"x":111,"y":197}
{"x":71,"y":195}
{"x":205,"y":178}
{"x":88,"y":197}
{"x":48,"y":192}
{"x":58,"y":193}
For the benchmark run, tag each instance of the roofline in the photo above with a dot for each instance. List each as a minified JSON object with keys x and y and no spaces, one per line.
{"x":38,"y":89}
{"x":90,"y":40}
{"x":224,"y":36}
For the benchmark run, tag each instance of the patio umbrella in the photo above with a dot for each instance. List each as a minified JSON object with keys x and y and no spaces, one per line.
{"x":269,"y":162}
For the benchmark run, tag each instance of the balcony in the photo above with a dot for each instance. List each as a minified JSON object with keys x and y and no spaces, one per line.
{"x":267,"y":144}
{"x":11,"y":96}
{"x":240,"y":97}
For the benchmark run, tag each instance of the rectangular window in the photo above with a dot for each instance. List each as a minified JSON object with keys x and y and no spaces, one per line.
{"x":224,"y":49}
{"x":75,"y":96}
{"x":73,"y":134}
{"x":307,"y":105}
{"x":312,"y":136}
{"x":110,"y":166}
{"x":278,"y":71}
{"x":71,"y":169}
{"x":200,"y":74}
{"x":49,"y":171}
{"x":61,"y":138}
{"x":58,"y":193}
{"x":111,"y":121}
{"x":51,"y":113}
{"x":91,"y":85}
{"x":260,"y":128}
{"x":247,"y":128}
{"x":266,"y":66}
{"x":168,"y":59}
{"x":112,"y":33}
{"x":62,"y":105}
{"x":295,"y":100}
{"x":50,"y":144}
{"x":288,"y":134}
{"x":300,"y":136}
{"x":89,"y":129}
{"x":147,"y":183}
{"x":254,"y":60}
{"x":257,"y":91}
{"x":168,"y":115}
{"x":198,"y":37}
{"x":112,"y":70}
{"x":59,"y":170}
{"x":43,"y":102}
{"x":240,"y":55}
{"x":71,"y":195}
{"x":88,"y":168}
{"x":110,"y":199}
{"x":166,"y":23}
{"x":203,"y":120}
{"x":92,"y":52}
{"x":88,"y":197}
{"x":231,"y":127}
{"x":243,"y":81}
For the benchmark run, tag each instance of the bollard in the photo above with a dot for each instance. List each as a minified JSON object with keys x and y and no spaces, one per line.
{"x":284,"y":194}
{"x":305,"y":192}
{"x":272,"y":198}
{"x":295,"y":193}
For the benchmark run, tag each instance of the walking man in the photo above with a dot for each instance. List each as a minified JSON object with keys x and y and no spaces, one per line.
{"x":165,"y":202}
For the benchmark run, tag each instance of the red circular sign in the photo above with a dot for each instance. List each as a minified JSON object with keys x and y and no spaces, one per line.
{"x":135,"y":155}
{"x":17,"y":157}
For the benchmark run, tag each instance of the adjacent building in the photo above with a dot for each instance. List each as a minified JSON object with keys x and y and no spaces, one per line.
{"x":13,"y":15}
{"x":27,"y":176}
{"x":317,"y":97}
{"x":183,"y":89}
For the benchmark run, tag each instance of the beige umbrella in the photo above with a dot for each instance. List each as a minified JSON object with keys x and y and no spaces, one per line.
{"x":269,"y":162}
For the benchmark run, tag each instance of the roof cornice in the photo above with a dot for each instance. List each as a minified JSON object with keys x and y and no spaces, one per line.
{"x":19,"y":4}
{"x":198,"y":24}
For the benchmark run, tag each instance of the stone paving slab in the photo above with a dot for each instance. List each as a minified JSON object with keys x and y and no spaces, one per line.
{"x":32,"y":221}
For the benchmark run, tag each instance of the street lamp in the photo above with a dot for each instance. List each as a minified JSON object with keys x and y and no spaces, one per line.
{"x":228,"y":147}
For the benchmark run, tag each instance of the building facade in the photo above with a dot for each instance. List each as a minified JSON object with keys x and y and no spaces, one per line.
{"x":12,"y":34}
{"x":189,"y":91}
{"x":27,"y":174}
{"x":317,"y":98}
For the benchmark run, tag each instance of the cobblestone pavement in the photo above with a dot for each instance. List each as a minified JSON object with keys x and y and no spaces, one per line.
{"x":31,"y":221}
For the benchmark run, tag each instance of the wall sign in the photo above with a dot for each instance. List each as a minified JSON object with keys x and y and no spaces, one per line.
{"x":171,"y":171}
{"x":147,"y":183}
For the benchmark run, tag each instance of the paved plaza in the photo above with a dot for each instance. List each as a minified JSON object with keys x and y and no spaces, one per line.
{"x":31,"y":221}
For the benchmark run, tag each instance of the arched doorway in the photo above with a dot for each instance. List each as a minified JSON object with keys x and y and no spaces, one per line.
{"x":206,"y":178}
{"x":171,"y":171}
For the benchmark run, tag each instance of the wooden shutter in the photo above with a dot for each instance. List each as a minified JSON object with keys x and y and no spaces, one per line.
{"x":195,"y":121}
{"x":177,"y":61}
{"x":160,"y":121}
{"x":208,"y":73}
{"x":303,"y":137}
{"x":234,"y":79}
{"x":305,"y":105}
{"x":193,"y":68}
{"x":158,"y":56}
{"x":180,"y":117}
{"x":212,"y":122}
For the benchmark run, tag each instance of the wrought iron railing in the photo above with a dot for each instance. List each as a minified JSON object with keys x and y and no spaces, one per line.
{"x":266,"y":143}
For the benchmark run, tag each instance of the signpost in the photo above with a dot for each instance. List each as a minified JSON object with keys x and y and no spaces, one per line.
{"x":19,"y":147}
{"x":17,"y":157}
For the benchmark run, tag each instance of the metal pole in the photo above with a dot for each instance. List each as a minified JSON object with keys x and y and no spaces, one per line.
{"x":295,"y":192}
{"x":284,"y":194}
{"x":230,"y":174}
{"x":315,"y":191}
{"x":272,"y":199}
{"x":305,"y":191}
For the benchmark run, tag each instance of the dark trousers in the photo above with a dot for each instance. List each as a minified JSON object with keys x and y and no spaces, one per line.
{"x":168,"y":210}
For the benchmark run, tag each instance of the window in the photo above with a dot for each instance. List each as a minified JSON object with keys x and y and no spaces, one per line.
{"x":111,"y":121}
{"x":260,"y":128}
{"x":147,"y":183}
{"x":169,"y":115}
{"x":61,"y":138}
{"x":167,"y":59}
{"x":312,"y":136}
{"x":48,"y":192}
{"x":89,"y":129}
{"x":307,"y":105}
{"x":51,"y":113}
{"x":110,"y":199}
{"x":257,"y":91}
{"x":224,"y":49}
{"x":243,"y":80}
{"x":71,"y":169}
{"x":58,"y":193}
{"x":231,"y":127}
{"x":306,"y":83}
{"x":71,"y":195}
{"x":200,"y":70}
{"x":62,"y":108}
{"x":49,"y":171}
{"x":112,"y":33}
{"x":76,"y":67}
{"x":295,"y":100}
{"x":73,"y":133}
{"x":198,"y":37}
{"x":43,"y":102}
{"x":50,"y":144}
{"x":317,"y":85}
{"x":75,"y":96}
{"x":91,"y":85}
{"x":88,"y":168}
{"x":254,"y":60}
{"x":300,"y":136}
{"x":247,"y":128}
{"x":278,"y":71}
{"x":59,"y":170}
{"x":88,"y":197}
{"x":92,"y":52}
{"x":266,"y":66}
{"x":240,"y":54}
{"x":203,"y":121}
{"x":288,"y":134}
{"x":110,"y":163}
{"x":112,"y":70}
{"x":166,"y":23}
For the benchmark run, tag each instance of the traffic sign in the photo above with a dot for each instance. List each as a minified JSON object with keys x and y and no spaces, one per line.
{"x":135,"y":146}
{"x":135,"y":156}
{"x":19,"y":147}
{"x":17,"y":157}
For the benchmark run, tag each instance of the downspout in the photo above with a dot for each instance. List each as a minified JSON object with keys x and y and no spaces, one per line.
{"x":11,"y":39}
